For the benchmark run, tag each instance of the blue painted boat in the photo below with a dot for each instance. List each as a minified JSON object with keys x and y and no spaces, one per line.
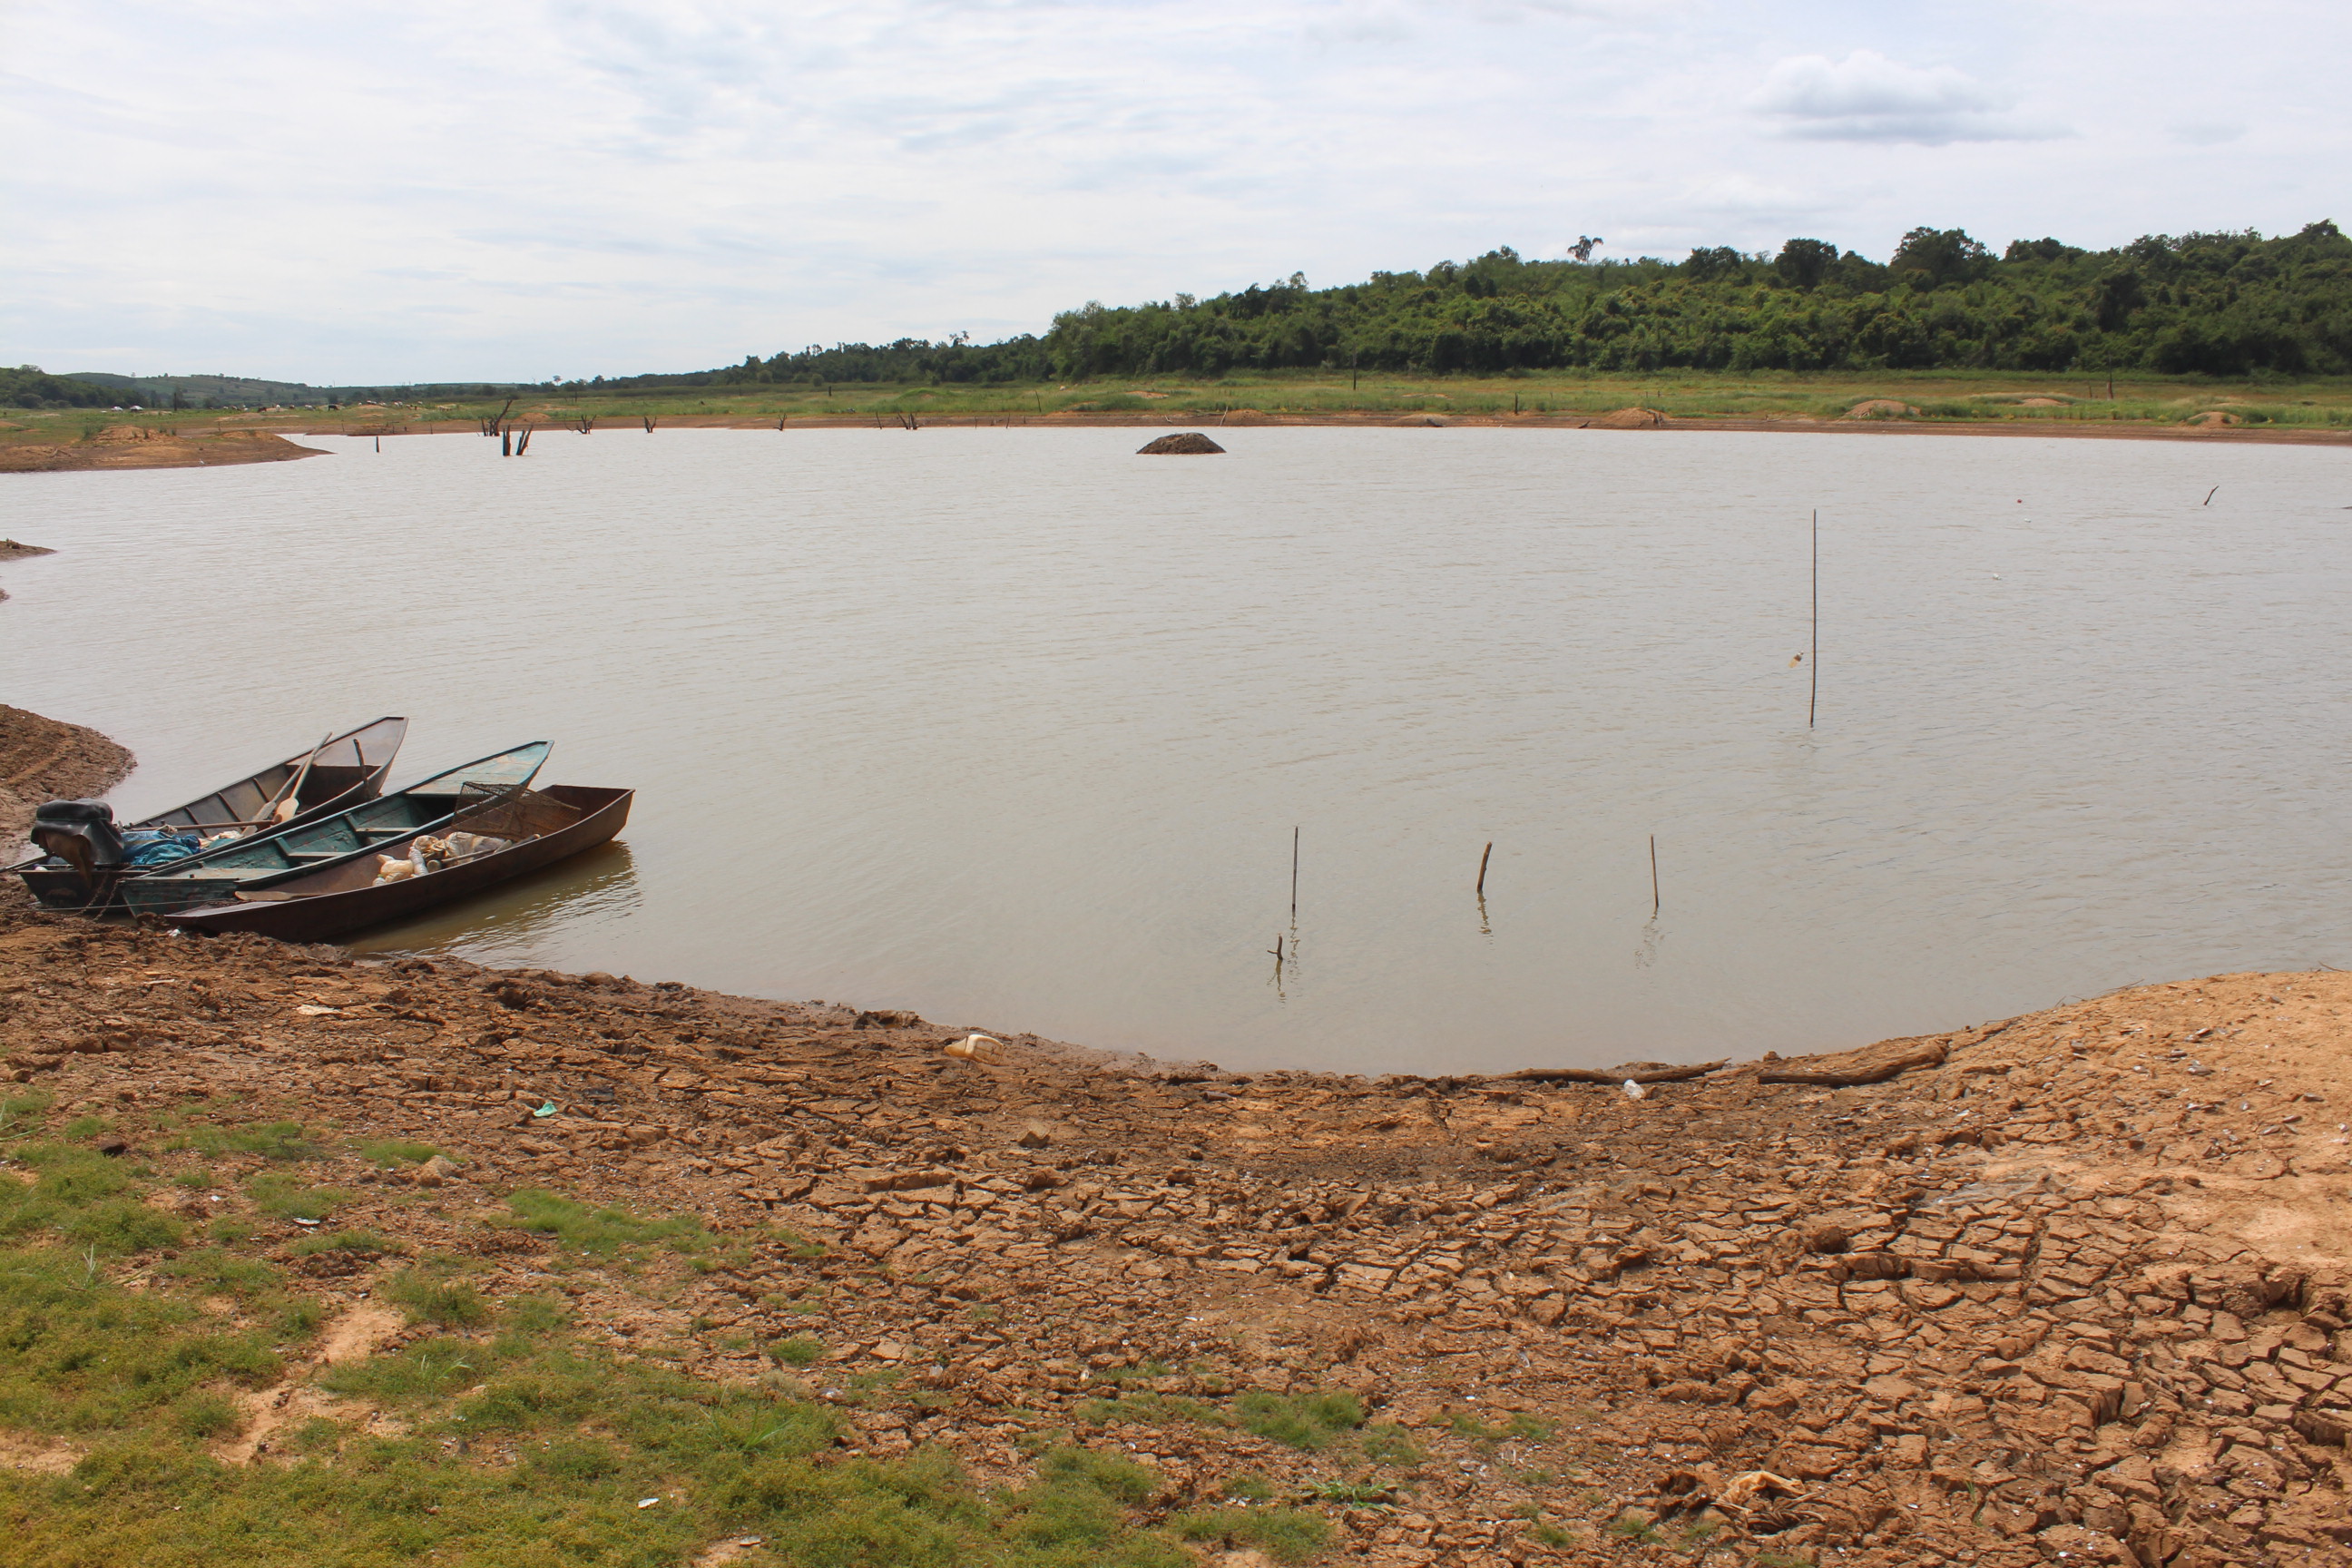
{"x":221,"y":873}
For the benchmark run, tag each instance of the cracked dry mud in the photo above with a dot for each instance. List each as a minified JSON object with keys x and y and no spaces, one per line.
{"x":2072,"y":1287}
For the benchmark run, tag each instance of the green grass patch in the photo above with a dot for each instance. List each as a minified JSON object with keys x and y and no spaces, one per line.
{"x":528,"y":1450}
{"x":391,"y":1151}
{"x":282,"y":1197}
{"x":78,"y":1353}
{"x":85,"y":1195}
{"x":1521,"y":1427}
{"x":24,"y":1109}
{"x":432,"y":1293}
{"x":1386,"y":1442}
{"x":428,"y":1369}
{"x":1285,"y":1534}
{"x":270,"y":1140}
{"x":365,"y":1241}
{"x":603,"y":1232}
{"x":219,"y":1270}
{"x":1309,"y":1421}
{"x":801,"y":1350}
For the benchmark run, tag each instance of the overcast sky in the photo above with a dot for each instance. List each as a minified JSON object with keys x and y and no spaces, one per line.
{"x":379,"y":193}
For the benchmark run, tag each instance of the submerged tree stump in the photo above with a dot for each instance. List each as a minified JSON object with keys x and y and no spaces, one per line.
{"x":1186,"y":443}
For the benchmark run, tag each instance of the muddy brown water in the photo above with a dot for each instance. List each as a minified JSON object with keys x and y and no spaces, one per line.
{"x":1012,"y":727}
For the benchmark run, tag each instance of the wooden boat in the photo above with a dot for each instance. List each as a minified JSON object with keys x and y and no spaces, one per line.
{"x":542,"y":827}
{"x":342,"y":772}
{"x":217,"y":873}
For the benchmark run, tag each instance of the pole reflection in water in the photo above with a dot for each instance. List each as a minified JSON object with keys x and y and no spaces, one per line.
{"x":532,"y":919}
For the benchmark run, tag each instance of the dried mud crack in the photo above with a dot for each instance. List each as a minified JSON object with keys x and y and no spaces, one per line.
{"x":2073,"y":1286}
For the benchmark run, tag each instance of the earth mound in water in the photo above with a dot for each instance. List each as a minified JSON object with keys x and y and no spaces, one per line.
{"x":1185,"y":443}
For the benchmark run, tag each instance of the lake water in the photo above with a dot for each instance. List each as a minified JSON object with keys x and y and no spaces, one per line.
{"x":1012,"y":727}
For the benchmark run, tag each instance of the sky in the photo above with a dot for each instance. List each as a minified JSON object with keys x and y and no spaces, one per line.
{"x":364,"y":193}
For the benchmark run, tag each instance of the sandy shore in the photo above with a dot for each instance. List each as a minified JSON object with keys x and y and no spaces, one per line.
{"x":2072,"y":1286}
{"x":143,"y":446}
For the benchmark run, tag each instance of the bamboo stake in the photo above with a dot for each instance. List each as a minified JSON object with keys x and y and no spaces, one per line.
{"x":1653,"y":876}
{"x":1482,"y":868}
{"x":1813,"y":701}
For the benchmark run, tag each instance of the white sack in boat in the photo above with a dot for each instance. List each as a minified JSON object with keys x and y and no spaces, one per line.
{"x":392,"y":870}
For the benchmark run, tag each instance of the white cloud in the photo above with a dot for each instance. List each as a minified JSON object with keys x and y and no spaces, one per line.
{"x":442,"y":189}
{"x":1866,"y":97}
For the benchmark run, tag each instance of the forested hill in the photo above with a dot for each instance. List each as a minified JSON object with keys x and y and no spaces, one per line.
{"x":2220,"y":304}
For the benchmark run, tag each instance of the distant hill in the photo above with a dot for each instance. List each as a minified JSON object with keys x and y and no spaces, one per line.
{"x":28,"y":386}
{"x":252,"y":391}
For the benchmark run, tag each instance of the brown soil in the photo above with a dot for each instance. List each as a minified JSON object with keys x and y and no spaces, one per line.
{"x":43,"y":759}
{"x":15,"y":550}
{"x":1881,"y":408}
{"x":139,"y":446}
{"x":2073,"y":1284}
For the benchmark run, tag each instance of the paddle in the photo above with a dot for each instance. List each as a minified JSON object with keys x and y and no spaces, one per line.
{"x":292,"y":790}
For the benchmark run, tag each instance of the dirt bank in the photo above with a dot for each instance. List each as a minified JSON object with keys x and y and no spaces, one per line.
{"x":146,"y":447}
{"x":2070,"y":1285}
{"x":43,"y":759}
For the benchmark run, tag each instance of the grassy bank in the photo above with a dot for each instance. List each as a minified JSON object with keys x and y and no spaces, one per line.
{"x":1926,"y":397}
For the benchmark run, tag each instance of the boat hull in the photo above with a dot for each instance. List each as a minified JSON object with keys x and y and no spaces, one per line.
{"x":326,"y":915}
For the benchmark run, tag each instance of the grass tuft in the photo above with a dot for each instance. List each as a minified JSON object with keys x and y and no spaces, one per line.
{"x":605,"y":1231}
{"x":1308,"y":1421}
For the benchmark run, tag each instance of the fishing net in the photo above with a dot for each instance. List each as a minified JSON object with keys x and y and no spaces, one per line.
{"x":510,"y":812}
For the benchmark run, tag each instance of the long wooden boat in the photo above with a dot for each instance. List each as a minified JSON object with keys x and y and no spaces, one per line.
{"x":217,"y":873}
{"x":345,"y":771}
{"x":539,"y":826}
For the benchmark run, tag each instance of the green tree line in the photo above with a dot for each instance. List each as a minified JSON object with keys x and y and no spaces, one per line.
{"x":29,"y":386}
{"x":2229,"y":305}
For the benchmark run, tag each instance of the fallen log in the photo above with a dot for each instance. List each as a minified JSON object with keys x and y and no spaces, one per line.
{"x":1871,"y":1064}
{"x":1596,"y":1075}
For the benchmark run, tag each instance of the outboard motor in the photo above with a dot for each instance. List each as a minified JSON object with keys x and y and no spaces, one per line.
{"x":82,"y":834}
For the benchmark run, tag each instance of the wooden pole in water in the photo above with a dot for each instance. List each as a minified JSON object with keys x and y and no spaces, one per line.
{"x":1653,"y":876}
{"x":1294,"y":876}
{"x":1482,"y":868}
{"x":1814,"y":701}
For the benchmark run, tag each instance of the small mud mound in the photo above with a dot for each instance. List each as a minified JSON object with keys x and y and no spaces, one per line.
{"x":1881,"y":408}
{"x":44,"y":759}
{"x":2213,"y":419}
{"x":2044,"y":403}
{"x":1422,"y":421}
{"x":1631,"y":419}
{"x":1183,"y":444}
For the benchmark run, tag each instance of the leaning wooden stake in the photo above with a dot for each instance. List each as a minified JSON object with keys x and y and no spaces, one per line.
{"x":1653,"y":876}
{"x":1294,"y":876}
{"x":1482,"y":868}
